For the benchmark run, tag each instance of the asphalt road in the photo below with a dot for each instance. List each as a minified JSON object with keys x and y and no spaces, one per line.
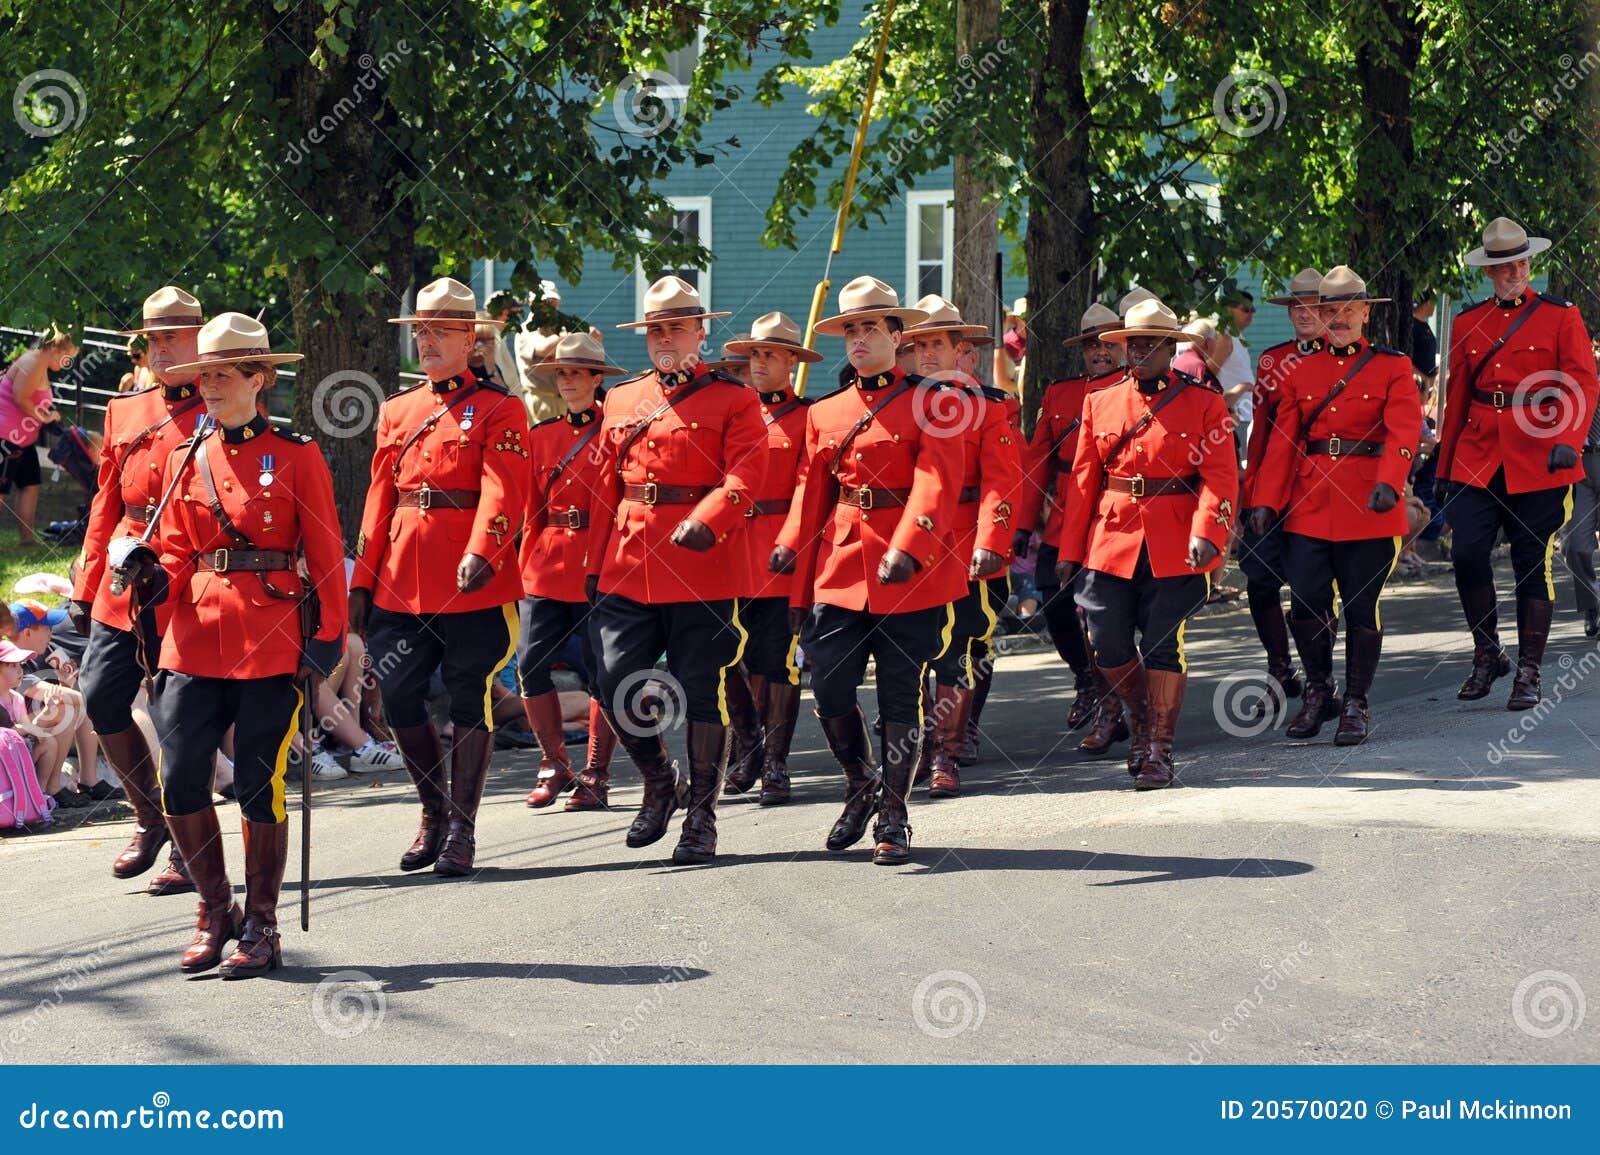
{"x":1427,"y":897}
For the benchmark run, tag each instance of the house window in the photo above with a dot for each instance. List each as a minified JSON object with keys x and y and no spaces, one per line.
{"x":691,"y":217}
{"x":930,"y":237}
{"x":680,"y":65}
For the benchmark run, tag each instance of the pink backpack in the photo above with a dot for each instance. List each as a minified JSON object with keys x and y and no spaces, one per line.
{"x":22,"y":803}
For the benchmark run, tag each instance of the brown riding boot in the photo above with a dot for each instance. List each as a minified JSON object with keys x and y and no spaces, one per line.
{"x":1128,"y":683}
{"x":744,"y":716}
{"x":1533,"y":631}
{"x":174,"y":877}
{"x":555,"y":768}
{"x":266,"y":853}
{"x":220,"y":919}
{"x":1361,"y":649}
{"x":1489,"y":660}
{"x":469,"y":770}
{"x":1166,"y":702}
{"x":663,"y":792}
{"x":129,"y":755}
{"x":982,"y":684}
{"x":892,"y":832}
{"x":424,"y":758}
{"x":1272,"y":627}
{"x":593,"y":791}
{"x":1108,"y":726}
{"x":852,"y":749}
{"x":950,"y":707}
{"x":781,"y":710}
{"x":1319,"y":703}
{"x":1086,"y":696}
{"x":708,"y":757}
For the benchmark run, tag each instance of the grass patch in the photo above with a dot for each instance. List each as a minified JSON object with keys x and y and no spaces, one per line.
{"x":17,"y":562}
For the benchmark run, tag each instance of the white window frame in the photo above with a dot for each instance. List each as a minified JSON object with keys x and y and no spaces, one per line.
{"x":674,"y":90}
{"x":914,"y":205}
{"x":702,"y":205}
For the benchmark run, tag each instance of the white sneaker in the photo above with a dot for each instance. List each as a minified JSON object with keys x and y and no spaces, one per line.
{"x":377,"y":755}
{"x":325,"y":768}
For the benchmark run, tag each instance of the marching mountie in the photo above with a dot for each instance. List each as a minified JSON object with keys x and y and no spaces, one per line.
{"x":683,"y":457}
{"x":1344,"y":436}
{"x":866,"y":540}
{"x":449,"y":485}
{"x":981,"y":534}
{"x":556,"y":539}
{"x":773,"y":349}
{"x":251,"y":505}
{"x":1517,"y":408}
{"x":1047,"y":470}
{"x":1261,"y":555}
{"x":124,"y":643}
{"x":1147,"y":518}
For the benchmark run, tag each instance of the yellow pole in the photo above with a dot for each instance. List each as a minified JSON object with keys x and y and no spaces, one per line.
{"x":819,"y":298}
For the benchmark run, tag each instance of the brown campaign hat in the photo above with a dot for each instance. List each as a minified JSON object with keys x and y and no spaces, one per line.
{"x":229,"y":338}
{"x":775,"y":331}
{"x":671,"y":299}
{"x":944,"y":317}
{"x":1148,"y":318}
{"x":169,"y":307}
{"x":1342,"y":284}
{"x":446,"y":299}
{"x":866,"y":298}
{"x":1131,"y":298}
{"x":578,"y":351}
{"x":1305,"y":288}
{"x":1505,"y":240}
{"x":1092,"y":325}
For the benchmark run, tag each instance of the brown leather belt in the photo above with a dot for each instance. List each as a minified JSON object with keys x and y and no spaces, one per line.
{"x":653,"y":494}
{"x":1141,"y":486}
{"x":439,"y":498}
{"x":139,"y":514}
{"x":568,"y":519}
{"x":868,"y":498}
{"x":767,"y":508}
{"x":1501,"y":398}
{"x":244,"y":560}
{"x":968,"y":495}
{"x":1342,"y":447}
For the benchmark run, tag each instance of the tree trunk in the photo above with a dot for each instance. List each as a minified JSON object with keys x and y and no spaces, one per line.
{"x":352,"y":360}
{"x":977,"y":219}
{"x":1060,"y":239}
{"x":1571,"y":263}
{"x":1388,"y":215}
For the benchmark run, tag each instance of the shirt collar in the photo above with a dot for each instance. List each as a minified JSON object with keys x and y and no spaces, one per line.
{"x":776,"y":397}
{"x":1311,"y":345}
{"x":1348,"y":350}
{"x":457,"y":382}
{"x":583,"y":417}
{"x":177,"y":392}
{"x":250,"y":430}
{"x":680,"y":376}
{"x":878,"y":380}
{"x":1152,"y":387}
{"x":1512,"y":302}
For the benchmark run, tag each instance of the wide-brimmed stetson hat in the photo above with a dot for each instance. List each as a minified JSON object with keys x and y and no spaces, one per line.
{"x":1018,"y":310}
{"x":1095,"y":321}
{"x":944,"y":317}
{"x":1305,"y":287}
{"x":1505,"y":240}
{"x":445,"y":300}
{"x":1147,"y":319}
{"x":775,"y":331}
{"x":864,"y":299}
{"x":229,"y":338}
{"x":731,"y":359}
{"x":1131,"y":298}
{"x":1341,"y":284}
{"x":671,"y":299}
{"x":169,"y":307}
{"x":579,"y":351}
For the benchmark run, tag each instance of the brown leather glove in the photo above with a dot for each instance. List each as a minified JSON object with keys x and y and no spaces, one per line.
{"x":694,"y":535}
{"x":985,"y":563}
{"x":897,"y":568}
{"x":360,"y":609}
{"x":782,"y":560}
{"x":473,"y":573}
